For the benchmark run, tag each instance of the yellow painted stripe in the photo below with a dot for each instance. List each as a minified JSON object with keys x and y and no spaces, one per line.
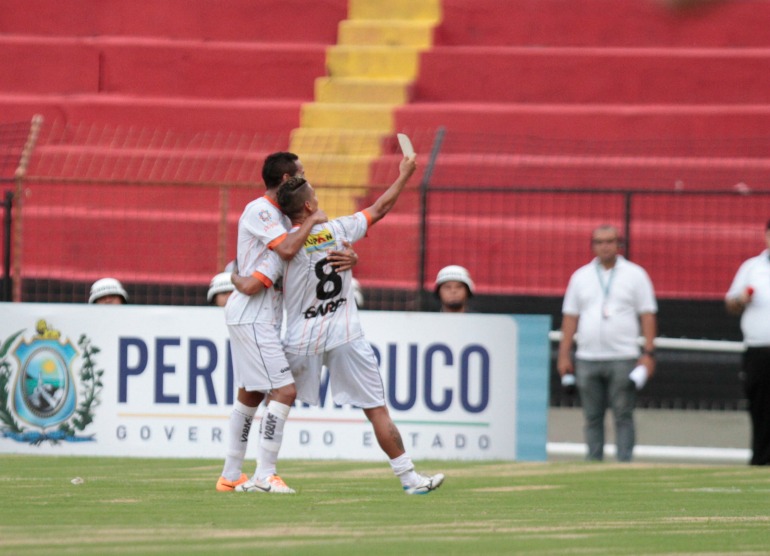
{"x":395,"y":9}
{"x":357,"y":90}
{"x":386,"y":32}
{"x":371,"y":71}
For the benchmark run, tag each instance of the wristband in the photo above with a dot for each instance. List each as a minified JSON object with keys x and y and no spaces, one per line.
{"x":649,"y":352}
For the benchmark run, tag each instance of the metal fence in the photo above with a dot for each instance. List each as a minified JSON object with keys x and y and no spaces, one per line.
{"x":159,"y":211}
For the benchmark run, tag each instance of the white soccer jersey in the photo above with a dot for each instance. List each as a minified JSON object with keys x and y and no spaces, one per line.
{"x":261,"y":226}
{"x":320,"y":307}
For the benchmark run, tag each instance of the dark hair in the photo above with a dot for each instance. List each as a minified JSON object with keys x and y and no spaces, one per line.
{"x":276,"y":165}
{"x":292,"y":196}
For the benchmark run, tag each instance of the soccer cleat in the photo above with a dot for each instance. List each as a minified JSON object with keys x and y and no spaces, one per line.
{"x":426,"y":484}
{"x":273,"y":484}
{"x":223,"y":485}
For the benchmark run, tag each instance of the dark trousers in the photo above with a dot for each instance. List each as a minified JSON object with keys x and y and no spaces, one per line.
{"x":756,"y":365}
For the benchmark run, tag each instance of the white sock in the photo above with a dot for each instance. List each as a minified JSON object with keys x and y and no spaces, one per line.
{"x":271,"y":437}
{"x":404,"y":469}
{"x":240,"y":425}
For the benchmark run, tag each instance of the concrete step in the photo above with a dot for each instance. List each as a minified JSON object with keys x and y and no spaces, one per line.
{"x":373,"y":117}
{"x":337,"y":170}
{"x":664,"y":130}
{"x":395,"y":9}
{"x":594,"y":75}
{"x":386,"y":32}
{"x":741,"y":23}
{"x":154,"y":67}
{"x":234,"y":20}
{"x":336,"y":141}
{"x":506,"y":171}
{"x":357,"y":90}
{"x":255,"y":116}
{"x":395,"y":62}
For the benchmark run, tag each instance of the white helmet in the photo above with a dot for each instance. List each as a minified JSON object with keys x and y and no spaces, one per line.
{"x":358,"y":294}
{"x":107,"y":286}
{"x":454,"y":273}
{"x":220,"y":283}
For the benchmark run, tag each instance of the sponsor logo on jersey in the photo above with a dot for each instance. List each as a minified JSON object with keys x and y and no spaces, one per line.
{"x":320,"y":241}
{"x":324,"y":308}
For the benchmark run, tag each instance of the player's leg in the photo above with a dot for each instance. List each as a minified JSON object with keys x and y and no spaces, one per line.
{"x":266,"y":369}
{"x":274,"y":371}
{"x":355,"y":379}
{"x":239,"y":426}
{"x":242,"y":414}
{"x":271,"y":430}
{"x":389,"y":439}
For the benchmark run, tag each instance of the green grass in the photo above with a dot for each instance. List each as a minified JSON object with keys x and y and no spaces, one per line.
{"x":161,"y":506}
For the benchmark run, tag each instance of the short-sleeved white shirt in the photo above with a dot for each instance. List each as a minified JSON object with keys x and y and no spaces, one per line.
{"x":320,"y":306}
{"x":755,"y":320}
{"x":261,"y":226}
{"x":608,"y":304}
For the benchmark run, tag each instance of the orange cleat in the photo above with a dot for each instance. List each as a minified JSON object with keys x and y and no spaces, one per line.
{"x":223,"y":485}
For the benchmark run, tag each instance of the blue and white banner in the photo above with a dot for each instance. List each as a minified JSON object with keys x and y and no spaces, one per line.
{"x":157,"y":381}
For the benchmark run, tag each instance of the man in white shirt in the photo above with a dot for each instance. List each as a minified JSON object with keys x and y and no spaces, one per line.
{"x":323,"y":323}
{"x":749,"y":297}
{"x":605,"y":303}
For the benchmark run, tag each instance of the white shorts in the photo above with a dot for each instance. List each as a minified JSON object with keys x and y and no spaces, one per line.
{"x":259,"y":363}
{"x":354,"y":375}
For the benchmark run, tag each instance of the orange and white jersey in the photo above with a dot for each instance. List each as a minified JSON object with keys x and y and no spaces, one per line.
{"x":321,"y":311}
{"x":261,"y":226}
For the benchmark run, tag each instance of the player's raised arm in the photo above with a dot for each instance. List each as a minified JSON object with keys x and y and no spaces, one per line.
{"x":385,"y":202}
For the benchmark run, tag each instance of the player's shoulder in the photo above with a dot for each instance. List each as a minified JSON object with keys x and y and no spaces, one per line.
{"x":263,"y":203}
{"x":349,"y":223}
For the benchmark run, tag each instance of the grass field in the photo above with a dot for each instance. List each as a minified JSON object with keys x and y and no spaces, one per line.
{"x":160,"y":506}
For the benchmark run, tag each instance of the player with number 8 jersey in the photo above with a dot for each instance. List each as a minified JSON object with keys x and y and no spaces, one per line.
{"x":322,"y":315}
{"x":323,"y":326}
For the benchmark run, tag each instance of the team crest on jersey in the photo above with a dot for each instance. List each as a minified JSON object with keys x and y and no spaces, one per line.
{"x":320,"y":241}
{"x":40,"y":398}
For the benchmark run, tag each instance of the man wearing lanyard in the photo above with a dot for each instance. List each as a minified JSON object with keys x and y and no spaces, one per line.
{"x":749,"y":296}
{"x":605,"y":303}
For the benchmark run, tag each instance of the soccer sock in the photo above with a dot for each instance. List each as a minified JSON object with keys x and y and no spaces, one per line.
{"x":271,"y":437}
{"x":240,"y":425}
{"x":404,"y":470}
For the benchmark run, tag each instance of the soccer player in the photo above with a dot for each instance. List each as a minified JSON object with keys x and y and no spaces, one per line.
{"x":253,"y":323}
{"x":323,"y":326}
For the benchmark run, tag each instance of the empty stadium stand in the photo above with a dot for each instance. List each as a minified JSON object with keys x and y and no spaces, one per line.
{"x":594,"y":94}
{"x":533,"y":95}
{"x":201,"y":64}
